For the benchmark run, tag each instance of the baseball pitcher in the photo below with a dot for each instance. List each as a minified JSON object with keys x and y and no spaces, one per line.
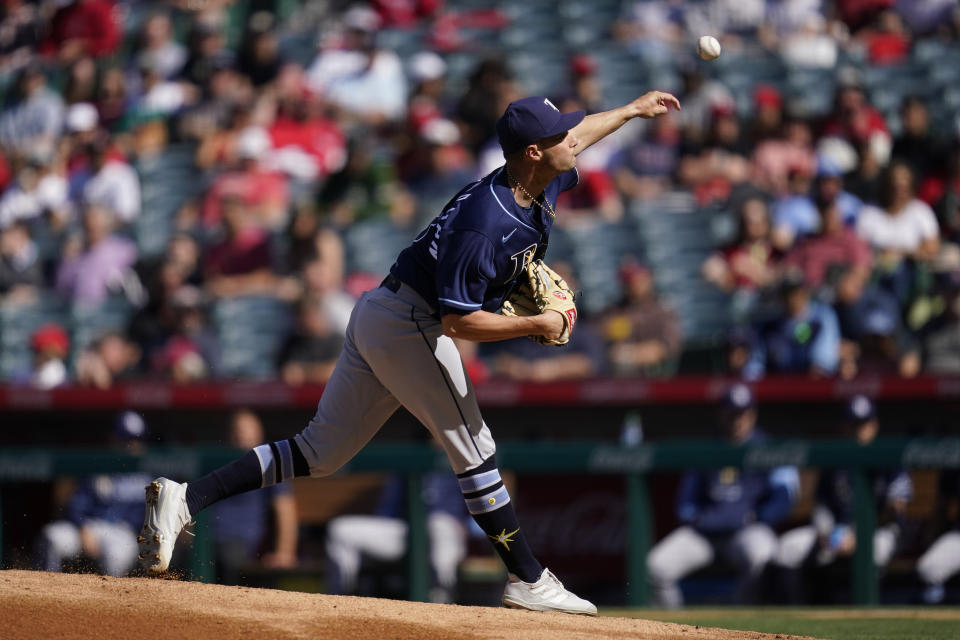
{"x":485,"y":249}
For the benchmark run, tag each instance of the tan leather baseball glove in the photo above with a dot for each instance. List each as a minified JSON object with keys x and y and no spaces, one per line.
{"x":543,"y":289}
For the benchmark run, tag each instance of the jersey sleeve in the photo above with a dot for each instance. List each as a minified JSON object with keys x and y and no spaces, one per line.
{"x":465,"y":265}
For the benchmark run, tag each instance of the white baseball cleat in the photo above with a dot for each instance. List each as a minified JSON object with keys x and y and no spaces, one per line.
{"x":546,"y":594}
{"x":165,"y":517}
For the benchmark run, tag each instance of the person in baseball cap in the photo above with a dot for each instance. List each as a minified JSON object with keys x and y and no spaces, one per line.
{"x":540,"y":143}
{"x":129,"y":426}
{"x":728,"y":513}
{"x":738,"y":413}
{"x":860,"y":417}
{"x":50,"y":345}
{"x":129,"y":432}
{"x":529,"y":120}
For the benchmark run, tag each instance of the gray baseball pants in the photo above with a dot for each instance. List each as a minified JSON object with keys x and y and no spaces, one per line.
{"x":797,"y":544}
{"x":685,"y":550}
{"x":395,"y":354}
{"x":941,"y":560}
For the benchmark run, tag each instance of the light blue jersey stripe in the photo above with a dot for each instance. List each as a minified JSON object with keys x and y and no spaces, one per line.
{"x":489,"y":502}
{"x":462,"y":305}
{"x":505,"y":210}
{"x":479,"y":481}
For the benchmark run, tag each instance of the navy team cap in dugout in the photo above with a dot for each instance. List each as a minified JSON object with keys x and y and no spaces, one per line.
{"x":130,"y":425}
{"x":530,"y":119}
{"x":738,"y":398}
{"x":859,"y":408}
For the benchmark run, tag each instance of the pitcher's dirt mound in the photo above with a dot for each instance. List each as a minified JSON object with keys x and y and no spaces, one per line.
{"x":36,"y":605}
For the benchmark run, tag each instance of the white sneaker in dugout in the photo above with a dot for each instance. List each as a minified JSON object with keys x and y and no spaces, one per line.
{"x":546,"y":594}
{"x":165,"y":517}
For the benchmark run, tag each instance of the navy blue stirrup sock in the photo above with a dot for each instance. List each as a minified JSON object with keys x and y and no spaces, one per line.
{"x":262,"y":466}
{"x":489,"y":504}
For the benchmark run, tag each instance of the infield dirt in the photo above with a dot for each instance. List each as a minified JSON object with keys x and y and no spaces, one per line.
{"x":35,"y":605}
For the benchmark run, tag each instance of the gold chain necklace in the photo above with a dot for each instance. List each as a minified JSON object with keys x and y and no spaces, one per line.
{"x":544,"y":206}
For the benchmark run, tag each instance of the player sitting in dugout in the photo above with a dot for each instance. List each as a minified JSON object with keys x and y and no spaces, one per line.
{"x":830,"y":534}
{"x":729,"y":511}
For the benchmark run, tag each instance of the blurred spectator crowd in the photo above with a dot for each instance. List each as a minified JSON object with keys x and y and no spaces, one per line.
{"x":194,"y":190}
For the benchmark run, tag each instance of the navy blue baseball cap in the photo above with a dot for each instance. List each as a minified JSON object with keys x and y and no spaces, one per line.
{"x":859,"y":408}
{"x":530,"y":119}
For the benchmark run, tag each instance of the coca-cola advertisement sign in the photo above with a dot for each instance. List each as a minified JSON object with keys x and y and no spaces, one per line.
{"x":576,"y":525}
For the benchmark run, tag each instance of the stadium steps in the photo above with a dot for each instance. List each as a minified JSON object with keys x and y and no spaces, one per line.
{"x":167,"y":181}
{"x":373,"y":245}
{"x":810,"y":91}
{"x":250,"y":331}
{"x":89,"y":322}
{"x":596,"y":253}
{"x":678,"y":236}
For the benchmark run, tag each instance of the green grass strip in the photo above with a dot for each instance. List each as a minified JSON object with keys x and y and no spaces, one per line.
{"x":827,"y":623}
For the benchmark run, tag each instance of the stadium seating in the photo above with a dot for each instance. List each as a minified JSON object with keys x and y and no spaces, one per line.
{"x":91,"y":321}
{"x":373,"y":245}
{"x":678,"y":236}
{"x":167,"y":181}
{"x":250,"y":332}
{"x":17,"y":324}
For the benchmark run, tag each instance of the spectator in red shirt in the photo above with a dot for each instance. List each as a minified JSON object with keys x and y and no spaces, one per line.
{"x":768,"y":114}
{"x":84,"y":27}
{"x":889,"y":42}
{"x":834,"y":248}
{"x":241,"y":264}
{"x":858,"y":13}
{"x":853,"y":118}
{"x":750,"y":263}
{"x":50,"y":346}
{"x":406,"y":13}
{"x":749,"y":266}
{"x":264,"y":192}
{"x":306,"y":144}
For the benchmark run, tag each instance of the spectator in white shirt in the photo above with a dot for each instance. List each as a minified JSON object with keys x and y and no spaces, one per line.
{"x":38,"y":190}
{"x":903,"y":231}
{"x":367,"y":83}
{"x":158,"y":49}
{"x":811,"y":46}
{"x":903,"y":226}
{"x":114,"y":184}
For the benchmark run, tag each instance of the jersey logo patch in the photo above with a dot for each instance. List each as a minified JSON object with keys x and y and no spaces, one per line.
{"x":520,"y":260}
{"x":507,"y":237}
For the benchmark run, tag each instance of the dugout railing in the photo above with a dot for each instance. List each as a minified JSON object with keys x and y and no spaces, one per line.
{"x":634,"y":463}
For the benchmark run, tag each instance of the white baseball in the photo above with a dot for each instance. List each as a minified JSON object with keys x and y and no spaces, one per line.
{"x":708,"y":47}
